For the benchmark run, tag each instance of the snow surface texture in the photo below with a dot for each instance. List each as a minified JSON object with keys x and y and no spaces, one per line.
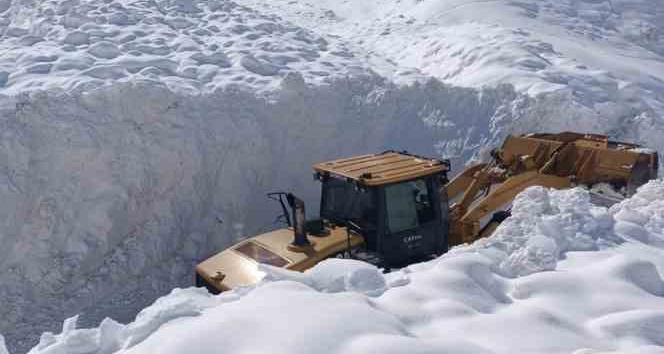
{"x":139,"y":137}
{"x":471,"y":300}
{"x":189,"y":46}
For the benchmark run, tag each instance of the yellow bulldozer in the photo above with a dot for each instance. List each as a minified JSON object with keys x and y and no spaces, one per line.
{"x":395,"y":208}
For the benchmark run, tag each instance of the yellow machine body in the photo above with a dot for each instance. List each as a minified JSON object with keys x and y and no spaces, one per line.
{"x":552,"y":160}
{"x":238,"y":265}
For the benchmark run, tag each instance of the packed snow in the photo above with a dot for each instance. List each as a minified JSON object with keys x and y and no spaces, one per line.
{"x":139,"y":137}
{"x":595,"y":286}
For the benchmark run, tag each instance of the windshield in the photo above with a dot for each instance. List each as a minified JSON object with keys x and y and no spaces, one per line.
{"x":341,"y":202}
{"x":261,"y":254}
{"x":408,"y":205}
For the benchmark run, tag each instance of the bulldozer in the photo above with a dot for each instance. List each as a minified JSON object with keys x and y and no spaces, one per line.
{"x":394,"y":208}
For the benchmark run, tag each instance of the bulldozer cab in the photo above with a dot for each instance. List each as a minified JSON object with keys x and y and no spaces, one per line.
{"x":392,"y":199}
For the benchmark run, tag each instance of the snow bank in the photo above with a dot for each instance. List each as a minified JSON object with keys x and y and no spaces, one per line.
{"x":543,"y":227}
{"x":602,"y":301}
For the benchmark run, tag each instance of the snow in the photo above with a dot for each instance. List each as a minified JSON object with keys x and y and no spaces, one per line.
{"x":3,"y":347}
{"x":98,"y":43}
{"x":335,"y":275}
{"x":605,"y":56}
{"x":602,"y":295}
{"x":139,"y":137}
{"x":539,"y":46}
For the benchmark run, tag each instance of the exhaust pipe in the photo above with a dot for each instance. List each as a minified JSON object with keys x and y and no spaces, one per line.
{"x":300,"y":240}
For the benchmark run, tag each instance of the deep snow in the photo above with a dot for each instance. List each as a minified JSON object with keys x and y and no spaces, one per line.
{"x":139,"y":137}
{"x":599,"y":290}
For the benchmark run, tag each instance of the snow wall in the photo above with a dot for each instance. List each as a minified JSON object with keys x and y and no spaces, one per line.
{"x":111,"y":197}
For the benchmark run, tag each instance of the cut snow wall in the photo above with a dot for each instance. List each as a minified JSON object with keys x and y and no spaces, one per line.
{"x":111,"y":197}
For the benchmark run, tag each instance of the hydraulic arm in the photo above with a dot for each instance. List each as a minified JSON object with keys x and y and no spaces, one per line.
{"x":550,"y":160}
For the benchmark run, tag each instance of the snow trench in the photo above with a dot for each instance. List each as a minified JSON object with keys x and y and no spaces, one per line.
{"x":111,"y":197}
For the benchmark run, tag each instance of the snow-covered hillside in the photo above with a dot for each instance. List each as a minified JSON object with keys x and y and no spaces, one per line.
{"x":139,"y":137}
{"x":560,"y":276}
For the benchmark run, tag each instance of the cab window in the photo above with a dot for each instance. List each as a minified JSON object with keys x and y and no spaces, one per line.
{"x":408,"y":205}
{"x":341,"y":202}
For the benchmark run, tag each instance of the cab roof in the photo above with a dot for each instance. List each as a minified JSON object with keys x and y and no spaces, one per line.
{"x":383,"y":168}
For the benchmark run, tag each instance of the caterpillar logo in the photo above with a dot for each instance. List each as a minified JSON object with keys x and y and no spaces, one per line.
{"x":412,"y":238}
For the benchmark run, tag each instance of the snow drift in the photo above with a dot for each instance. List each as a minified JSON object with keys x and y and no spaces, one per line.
{"x":602,"y":301}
